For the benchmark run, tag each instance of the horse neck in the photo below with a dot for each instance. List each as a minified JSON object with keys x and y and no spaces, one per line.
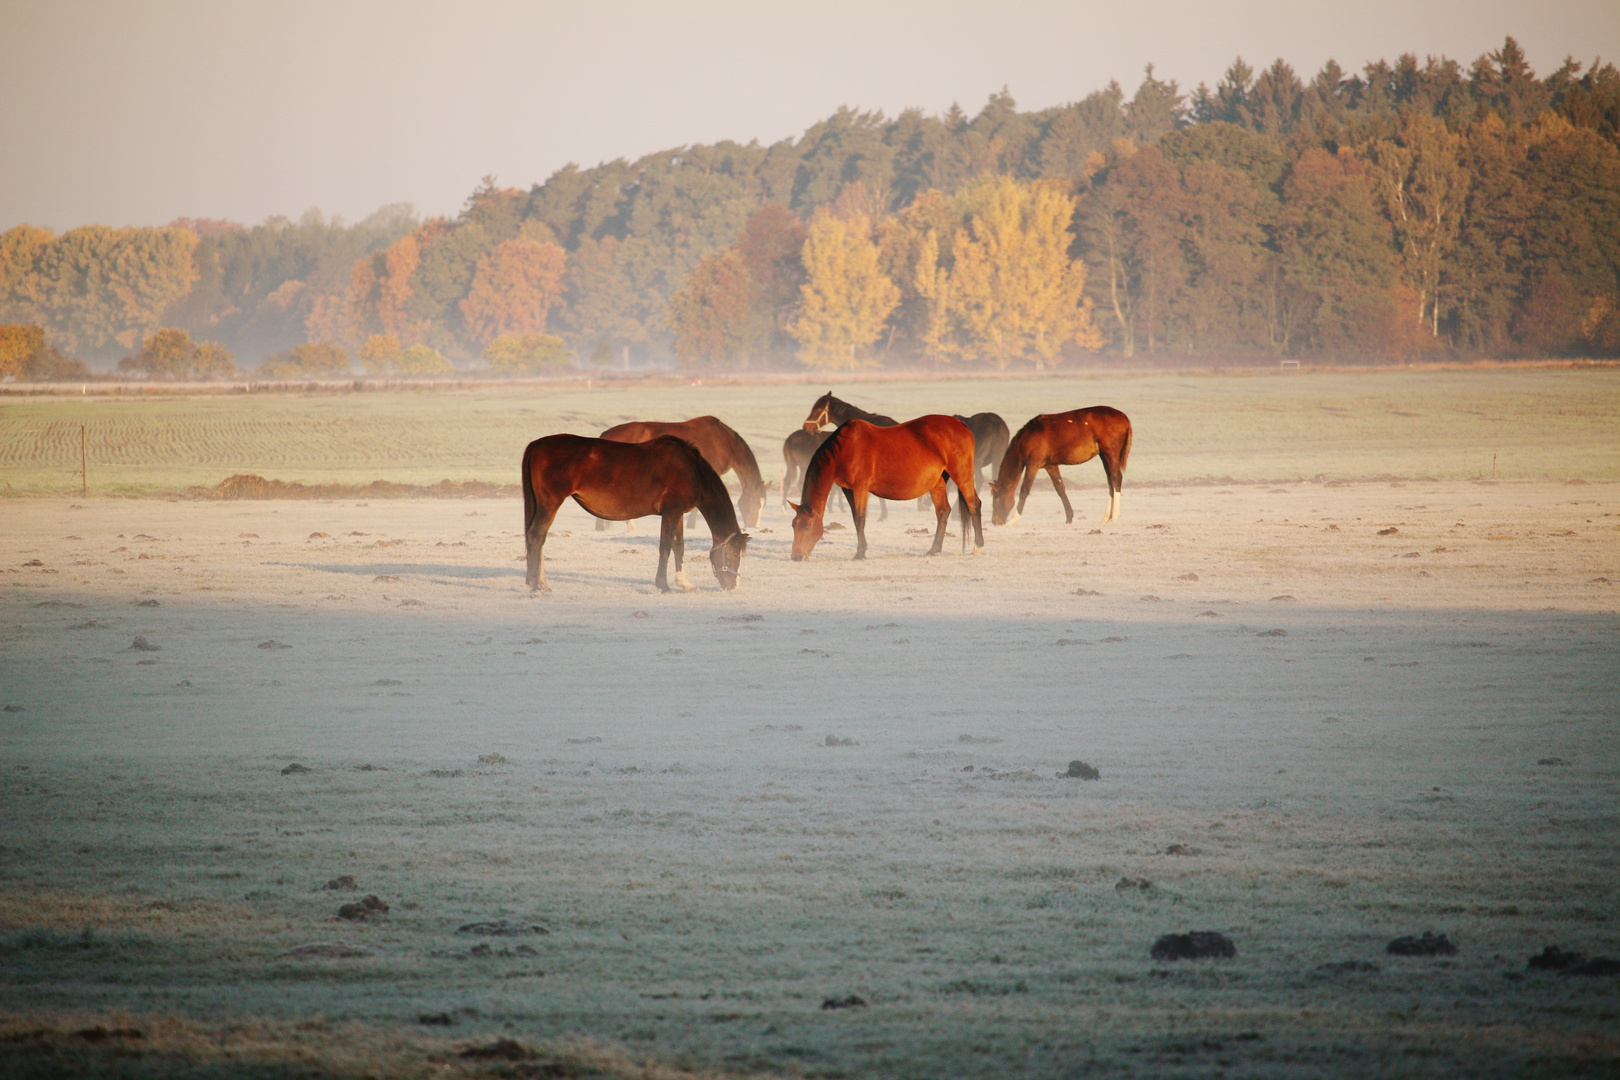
{"x":714,"y":503}
{"x":742,"y":460}
{"x":1017,"y":455}
{"x":818,"y":476}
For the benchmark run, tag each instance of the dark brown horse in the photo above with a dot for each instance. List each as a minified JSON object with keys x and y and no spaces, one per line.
{"x":990,"y":438}
{"x":1054,"y":439}
{"x":666,"y":476}
{"x":797,"y":450}
{"x":721,"y":447}
{"x":899,"y":462}
{"x":831,"y":410}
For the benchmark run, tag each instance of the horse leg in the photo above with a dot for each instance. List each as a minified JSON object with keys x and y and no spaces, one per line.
{"x":1023,"y":492}
{"x":601,"y":524}
{"x":679,"y":550}
{"x":857,"y":505}
{"x":883,"y":509}
{"x":1057,"y":486}
{"x":669,"y":525}
{"x":971,"y":512}
{"x":1116,"y":481}
{"x":942,"y":515}
{"x":535,"y":542}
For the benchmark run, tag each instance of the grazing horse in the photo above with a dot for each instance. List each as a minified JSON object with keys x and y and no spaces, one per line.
{"x":830,"y":410}
{"x":619,"y":481}
{"x":899,"y":462}
{"x":721,"y":447}
{"x":990,"y":438}
{"x":1054,"y":439}
{"x":797,"y":450}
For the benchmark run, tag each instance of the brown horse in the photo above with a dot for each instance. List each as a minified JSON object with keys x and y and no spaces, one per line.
{"x":990,"y":438}
{"x":666,"y":476}
{"x":1054,"y":439}
{"x":830,"y":410}
{"x":899,"y":462}
{"x":721,"y":447}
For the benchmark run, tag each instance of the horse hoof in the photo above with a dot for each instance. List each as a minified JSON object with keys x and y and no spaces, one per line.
{"x":1012,"y":519}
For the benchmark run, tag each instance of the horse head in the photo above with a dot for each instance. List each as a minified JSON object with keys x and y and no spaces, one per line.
{"x":726,"y":559}
{"x":751,"y":503}
{"x":1001,"y":500}
{"x":807,"y":530}
{"x":820,"y":413}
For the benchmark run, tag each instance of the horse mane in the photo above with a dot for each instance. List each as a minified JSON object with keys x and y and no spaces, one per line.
{"x":1015,"y":452}
{"x":743,"y":460}
{"x":818,"y":460}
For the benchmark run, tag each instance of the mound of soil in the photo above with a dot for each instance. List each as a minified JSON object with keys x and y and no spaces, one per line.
{"x":249,"y":486}
{"x":1427,"y":945}
{"x":501,"y":928}
{"x":1081,"y":770}
{"x":1198,"y":945}
{"x":851,"y":1002}
{"x":361,"y":910}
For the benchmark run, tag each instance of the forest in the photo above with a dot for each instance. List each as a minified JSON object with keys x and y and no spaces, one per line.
{"x":1413,"y":210}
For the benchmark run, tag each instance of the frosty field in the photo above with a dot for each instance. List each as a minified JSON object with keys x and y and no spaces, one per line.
{"x":1336,"y":695}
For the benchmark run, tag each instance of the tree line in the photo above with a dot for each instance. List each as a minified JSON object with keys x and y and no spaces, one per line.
{"x":1410,"y":209}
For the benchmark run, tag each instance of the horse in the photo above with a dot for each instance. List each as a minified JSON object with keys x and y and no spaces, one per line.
{"x":797,"y":450}
{"x":1054,"y":439}
{"x":721,"y":447}
{"x":665,"y":476}
{"x":990,"y":438}
{"x":899,"y":462}
{"x":830,"y":410}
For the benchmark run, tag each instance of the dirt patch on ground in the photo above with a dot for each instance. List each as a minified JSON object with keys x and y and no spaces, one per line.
{"x":250,"y":486}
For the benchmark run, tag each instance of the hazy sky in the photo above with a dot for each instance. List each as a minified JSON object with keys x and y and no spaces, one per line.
{"x":134,"y":113}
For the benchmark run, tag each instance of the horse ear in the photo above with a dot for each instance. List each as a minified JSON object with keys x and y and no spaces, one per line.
{"x":794,"y":505}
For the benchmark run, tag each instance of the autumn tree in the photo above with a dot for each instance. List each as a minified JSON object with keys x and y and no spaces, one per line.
{"x":311,"y":360}
{"x":1423,"y":188}
{"x":514,"y":289}
{"x":713,"y":314}
{"x":378,"y":355}
{"x":845,"y":298}
{"x":1012,"y":292}
{"x":422,"y":361}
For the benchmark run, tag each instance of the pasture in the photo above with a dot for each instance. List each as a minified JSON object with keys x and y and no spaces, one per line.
{"x":1340,"y":687}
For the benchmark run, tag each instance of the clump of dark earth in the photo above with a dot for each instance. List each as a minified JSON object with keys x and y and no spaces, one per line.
{"x":273,"y":644}
{"x":362,"y":910}
{"x":1126,"y":884}
{"x":1198,"y":945}
{"x":1391,"y":531}
{"x":1551,"y":761}
{"x":484,"y":952}
{"x":436,"y":1020}
{"x":1183,"y":849}
{"x":1552,"y":958}
{"x":1272,"y":633}
{"x":1081,"y":770}
{"x":586,"y":739}
{"x":296,"y":769}
{"x":444,"y":774}
{"x":499,"y":1050}
{"x":492,"y":759}
{"x":834,"y":740}
{"x":140,"y":644}
{"x":342,"y":883}
{"x":500,"y":928}
{"x":368,"y":767}
{"x":1348,"y":967}
{"x":147,"y":603}
{"x":851,"y":1002}
{"x":13,"y":708}
{"x":100,"y":1034}
{"x":1597,"y":966}
{"x":1427,"y":945}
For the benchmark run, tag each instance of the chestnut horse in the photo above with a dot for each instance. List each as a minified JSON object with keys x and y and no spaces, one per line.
{"x":1054,"y":439}
{"x":721,"y":447}
{"x":666,"y":476}
{"x":899,"y":462}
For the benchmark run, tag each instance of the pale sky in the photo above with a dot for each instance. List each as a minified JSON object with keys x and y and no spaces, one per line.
{"x":135,"y":113}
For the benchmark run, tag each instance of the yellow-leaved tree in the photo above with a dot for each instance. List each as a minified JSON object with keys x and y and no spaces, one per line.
{"x":1009,"y":291}
{"x":846,"y":297}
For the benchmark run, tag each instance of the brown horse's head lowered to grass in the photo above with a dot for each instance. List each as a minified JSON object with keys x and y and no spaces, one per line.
{"x":900,"y":462}
{"x":619,"y":481}
{"x":1054,"y":439}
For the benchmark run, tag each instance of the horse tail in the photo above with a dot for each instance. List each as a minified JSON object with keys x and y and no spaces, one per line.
{"x":1124,"y":452}
{"x":530,"y":503}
